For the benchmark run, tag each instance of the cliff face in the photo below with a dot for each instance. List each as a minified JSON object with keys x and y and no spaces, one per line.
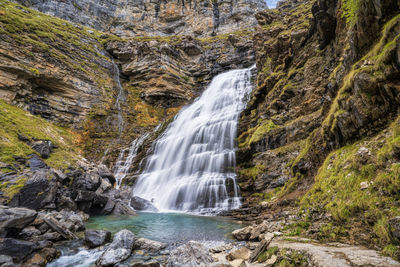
{"x":144,"y":17}
{"x":324,"y":116}
{"x":103,"y":90}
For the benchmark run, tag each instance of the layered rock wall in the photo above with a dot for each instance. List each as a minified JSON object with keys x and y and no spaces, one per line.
{"x":144,"y":17}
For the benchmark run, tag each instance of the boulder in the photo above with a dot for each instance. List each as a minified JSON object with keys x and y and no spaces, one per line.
{"x":95,"y":238}
{"x":139,"y":203}
{"x":149,"y":245}
{"x":122,"y":208}
{"x":120,"y":249}
{"x":243,"y":234}
{"x":38,"y":192}
{"x":190,"y":254}
{"x":29,"y":232}
{"x":15,"y":219}
{"x":6,"y":261}
{"x":43,"y":147}
{"x":258,"y":230}
{"x":105,"y":173}
{"x":36,"y":261}
{"x":222,"y":248}
{"x":36,"y":163}
{"x":242,"y":253}
{"x":58,"y":227}
{"x":15,"y":248}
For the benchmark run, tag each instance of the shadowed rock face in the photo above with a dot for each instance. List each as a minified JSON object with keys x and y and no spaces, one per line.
{"x":160,"y":17}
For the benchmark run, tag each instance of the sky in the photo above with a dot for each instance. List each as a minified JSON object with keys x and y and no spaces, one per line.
{"x":271,"y":3}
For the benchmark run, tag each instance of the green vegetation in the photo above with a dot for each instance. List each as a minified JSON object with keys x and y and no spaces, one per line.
{"x":11,"y":188}
{"x":14,"y":121}
{"x":267,"y":254}
{"x":350,"y":10}
{"x":252,"y":172}
{"x":75,"y":46}
{"x":256,"y":133}
{"x":359,"y":183}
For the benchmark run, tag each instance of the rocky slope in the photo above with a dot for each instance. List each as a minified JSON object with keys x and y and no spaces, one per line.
{"x":321,"y":130}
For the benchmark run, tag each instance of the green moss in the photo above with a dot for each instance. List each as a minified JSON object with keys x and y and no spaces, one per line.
{"x":14,"y":121}
{"x":11,"y":188}
{"x":252,"y":172}
{"x":350,"y":10}
{"x":257,"y":133}
{"x":351,"y":189}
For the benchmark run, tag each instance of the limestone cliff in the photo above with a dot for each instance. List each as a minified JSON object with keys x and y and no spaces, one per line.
{"x":155,"y":18}
{"x":321,"y":130}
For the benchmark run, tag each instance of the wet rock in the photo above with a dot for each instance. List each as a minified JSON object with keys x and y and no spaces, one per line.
{"x":220,"y":249}
{"x":149,"y":245}
{"x":242,"y":253}
{"x":28,"y":232}
{"x":105,"y":173}
{"x":122,"y":208}
{"x":51,"y":236}
{"x":95,"y":238}
{"x":43,"y":147}
{"x":15,"y":248}
{"x":64,"y":202}
{"x":35,"y":163}
{"x":6,"y":261}
{"x":54,"y":224}
{"x":139,"y":203}
{"x":15,"y":219}
{"x":191,"y":254}
{"x":36,"y":261}
{"x":50,"y":254}
{"x":120,"y":249}
{"x":243,"y":234}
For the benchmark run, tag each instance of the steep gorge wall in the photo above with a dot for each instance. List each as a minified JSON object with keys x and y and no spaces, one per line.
{"x":324,"y":116}
{"x":68,"y":74}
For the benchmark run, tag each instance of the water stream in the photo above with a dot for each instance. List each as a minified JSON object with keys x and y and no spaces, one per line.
{"x":120,"y":98}
{"x":192,"y":167}
{"x":123,"y":163}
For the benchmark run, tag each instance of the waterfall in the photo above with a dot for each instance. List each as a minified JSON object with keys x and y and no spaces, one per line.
{"x":192,"y":166}
{"x":120,"y":97}
{"x":122,"y":166}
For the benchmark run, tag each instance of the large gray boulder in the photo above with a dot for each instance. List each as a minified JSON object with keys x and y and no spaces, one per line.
{"x":95,"y":238}
{"x":38,"y":192}
{"x":139,"y":203}
{"x":149,"y":245}
{"x":120,"y":249}
{"x":243,"y":234}
{"x":15,"y":248}
{"x":192,"y":254}
{"x":15,"y":219}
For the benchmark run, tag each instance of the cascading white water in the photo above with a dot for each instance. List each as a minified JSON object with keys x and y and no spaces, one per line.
{"x":120,"y":98}
{"x":122,"y":166}
{"x":192,"y":167}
